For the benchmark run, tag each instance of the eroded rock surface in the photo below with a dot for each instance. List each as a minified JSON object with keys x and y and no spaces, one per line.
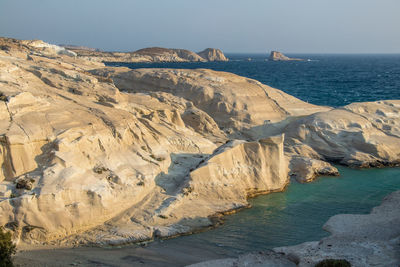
{"x":352,"y":135}
{"x":90,"y":151}
{"x":219,"y":94}
{"x":83,"y":162}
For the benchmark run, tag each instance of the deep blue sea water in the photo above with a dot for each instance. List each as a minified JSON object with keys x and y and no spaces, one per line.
{"x":297,"y":215}
{"x":333,"y":80}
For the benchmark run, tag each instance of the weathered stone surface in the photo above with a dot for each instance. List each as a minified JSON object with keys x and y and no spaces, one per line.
{"x":195,"y":188}
{"x":305,"y":169}
{"x":219,"y":94}
{"x":96,"y":165}
{"x":59,"y":123}
{"x":344,"y":136}
{"x":50,"y":48}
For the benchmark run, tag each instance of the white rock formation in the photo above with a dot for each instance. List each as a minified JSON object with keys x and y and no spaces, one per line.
{"x":90,"y":151}
{"x":352,"y":135}
{"x":83,"y":162}
{"x":50,"y":47}
{"x":220,"y":94}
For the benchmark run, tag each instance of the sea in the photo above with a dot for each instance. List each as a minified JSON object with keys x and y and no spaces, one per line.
{"x":298,"y":214}
{"x":331,"y":80}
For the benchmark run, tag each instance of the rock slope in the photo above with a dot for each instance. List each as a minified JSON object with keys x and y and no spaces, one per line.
{"x":219,"y":94}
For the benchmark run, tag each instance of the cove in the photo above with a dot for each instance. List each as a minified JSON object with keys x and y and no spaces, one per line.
{"x":297,"y":214}
{"x":278,"y":219}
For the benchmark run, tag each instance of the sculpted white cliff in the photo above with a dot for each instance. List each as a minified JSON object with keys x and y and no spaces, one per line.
{"x":90,"y":154}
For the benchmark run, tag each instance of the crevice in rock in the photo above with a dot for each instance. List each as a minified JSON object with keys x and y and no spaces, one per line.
{"x":275,"y":102}
{"x":373,"y":125}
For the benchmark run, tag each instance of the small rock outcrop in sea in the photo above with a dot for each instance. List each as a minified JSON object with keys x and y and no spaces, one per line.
{"x":360,"y":239}
{"x":212,"y":54}
{"x":278,"y":56}
{"x":94,"y":154}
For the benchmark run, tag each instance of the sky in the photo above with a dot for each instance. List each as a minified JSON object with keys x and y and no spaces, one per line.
{"x":247,"y":26}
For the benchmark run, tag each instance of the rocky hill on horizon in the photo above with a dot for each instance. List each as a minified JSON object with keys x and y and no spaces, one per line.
{"x":150,"y":54}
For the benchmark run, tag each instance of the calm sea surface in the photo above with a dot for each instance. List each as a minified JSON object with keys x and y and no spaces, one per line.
{"x":297,"y":215}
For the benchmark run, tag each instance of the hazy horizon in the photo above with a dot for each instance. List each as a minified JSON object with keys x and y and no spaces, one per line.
{"x":255,"y":26}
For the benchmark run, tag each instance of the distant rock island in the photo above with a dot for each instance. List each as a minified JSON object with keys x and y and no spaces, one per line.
{"x":278,"y":56}
{"x":212,"y":54}
{"x":150,"y":54}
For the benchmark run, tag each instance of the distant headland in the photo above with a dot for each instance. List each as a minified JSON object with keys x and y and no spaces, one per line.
{"x":150,"y":54}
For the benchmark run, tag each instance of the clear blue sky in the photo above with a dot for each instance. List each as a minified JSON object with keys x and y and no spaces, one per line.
{"x":294,"y":26}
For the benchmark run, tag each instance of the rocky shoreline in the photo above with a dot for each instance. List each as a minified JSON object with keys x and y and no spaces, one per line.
{"x":109,"y":155}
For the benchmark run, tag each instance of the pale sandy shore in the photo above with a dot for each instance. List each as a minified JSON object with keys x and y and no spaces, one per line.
{"x":157,"y":253}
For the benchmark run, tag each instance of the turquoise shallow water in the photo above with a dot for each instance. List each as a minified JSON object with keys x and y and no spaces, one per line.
{"x":298,"y":214}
